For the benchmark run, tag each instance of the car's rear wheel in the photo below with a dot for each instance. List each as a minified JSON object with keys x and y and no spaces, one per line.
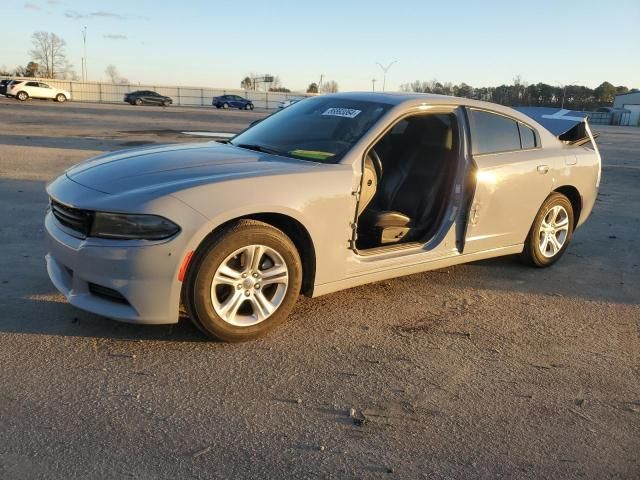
{"x":550,"y":233}
{"x":225,"y":106}
{"x":243,"y":282}
{"x":60,"y":98}
{"x":22,"y":96}
{"x":138,"y":102}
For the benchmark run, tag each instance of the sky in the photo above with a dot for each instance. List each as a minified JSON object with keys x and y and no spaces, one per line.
{"x":217,"y":43}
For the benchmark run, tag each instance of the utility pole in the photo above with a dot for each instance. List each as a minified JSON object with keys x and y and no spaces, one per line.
{"x":373,"y":84}
{"x":385,"y":70}
{"x":564,"y":90}
{"x":84,"y":59}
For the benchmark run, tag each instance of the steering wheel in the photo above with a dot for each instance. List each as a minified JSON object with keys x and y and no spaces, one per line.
{"x":377,"y":163}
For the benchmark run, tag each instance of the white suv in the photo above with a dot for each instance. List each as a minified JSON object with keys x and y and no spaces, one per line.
{"x":23,"y":90}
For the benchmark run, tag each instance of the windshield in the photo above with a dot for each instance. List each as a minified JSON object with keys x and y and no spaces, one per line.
{"x":321,"y":129}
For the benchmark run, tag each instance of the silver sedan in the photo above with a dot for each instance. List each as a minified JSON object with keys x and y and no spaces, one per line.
{"x":332,"y":192}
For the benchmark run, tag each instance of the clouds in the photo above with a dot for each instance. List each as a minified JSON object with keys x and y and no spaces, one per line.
{"x":115,"y":36}
{"x":101,"y":14}
{"x":78,"y":16}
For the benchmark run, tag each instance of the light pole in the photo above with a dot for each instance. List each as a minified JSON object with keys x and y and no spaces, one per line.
{"x":564,"y":90}
{"x":373,"y":84}
{"x":84,"y":58}
{"x":385,"y":70}
{"x":320,"y":83}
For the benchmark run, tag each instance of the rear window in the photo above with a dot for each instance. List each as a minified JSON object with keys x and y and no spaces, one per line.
{"x":527,"y":136}
{"x":493,"y":133}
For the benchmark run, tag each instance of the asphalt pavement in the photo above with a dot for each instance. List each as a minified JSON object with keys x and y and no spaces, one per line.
{"x":486,"y":370}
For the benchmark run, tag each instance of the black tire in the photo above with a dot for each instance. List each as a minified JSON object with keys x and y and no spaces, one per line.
{"x":247,"y":107}
{"x":60,"y":98}
{"x":532,"y":253}
{"x":22,"y":96}
{"x":225,"y":106}
{"x":198,"y":285}
{"x":166,"y":103}
{"x":138,"y":102}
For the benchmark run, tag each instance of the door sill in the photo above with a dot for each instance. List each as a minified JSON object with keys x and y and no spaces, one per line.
{"x":388,"y":248}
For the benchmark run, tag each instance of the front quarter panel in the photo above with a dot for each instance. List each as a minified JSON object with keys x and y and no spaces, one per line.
{"x":319,"y":198}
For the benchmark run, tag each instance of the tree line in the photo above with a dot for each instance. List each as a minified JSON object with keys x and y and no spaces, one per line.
{"x":520,"y":93}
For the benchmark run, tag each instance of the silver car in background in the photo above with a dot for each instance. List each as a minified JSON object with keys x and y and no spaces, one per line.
{"x":333,"y":192}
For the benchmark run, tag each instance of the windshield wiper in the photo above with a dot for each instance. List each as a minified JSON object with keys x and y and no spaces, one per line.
{"x":257,"y":148}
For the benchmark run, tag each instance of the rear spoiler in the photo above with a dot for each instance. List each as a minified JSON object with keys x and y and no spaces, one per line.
{"x":569,"y":126}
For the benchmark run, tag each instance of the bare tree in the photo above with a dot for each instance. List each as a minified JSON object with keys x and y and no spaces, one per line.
{"x":329,"y":87}
{"x":49,"y":52}
{"x":112,"y":73}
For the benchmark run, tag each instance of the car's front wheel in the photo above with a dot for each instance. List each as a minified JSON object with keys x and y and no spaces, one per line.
{"x":22,"y":96}
{"x":550,"y":233}
{"x":60,"y":98}
{"x":248,"y":107}
{"x":166,"y":103}
{"x":243,"y":282}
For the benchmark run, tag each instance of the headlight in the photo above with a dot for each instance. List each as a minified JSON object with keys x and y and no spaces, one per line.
{"x":129,"y":227}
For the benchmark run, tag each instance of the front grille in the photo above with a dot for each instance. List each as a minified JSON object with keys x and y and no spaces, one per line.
{"x":107,"y":293}
{"x":77,"y":220}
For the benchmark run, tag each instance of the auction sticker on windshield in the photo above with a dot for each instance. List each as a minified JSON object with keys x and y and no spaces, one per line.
{"x":342,"y":112}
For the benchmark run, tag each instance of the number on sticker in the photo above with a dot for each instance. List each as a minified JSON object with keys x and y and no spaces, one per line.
{"x":342,"y":112}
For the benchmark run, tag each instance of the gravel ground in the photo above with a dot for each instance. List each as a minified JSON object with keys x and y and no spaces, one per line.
{"x":486,"y":370}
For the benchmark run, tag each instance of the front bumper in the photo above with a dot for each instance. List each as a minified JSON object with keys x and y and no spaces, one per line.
{"x":144,"y":276}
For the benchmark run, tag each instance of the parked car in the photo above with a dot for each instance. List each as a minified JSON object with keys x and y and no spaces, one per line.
{"x":3,"y":85}
{"x":25,"y":89}
{"x":232,"y":101}
{"x":288,"y":102}
{"x":147,"y":97}
{"x":333,"y":192}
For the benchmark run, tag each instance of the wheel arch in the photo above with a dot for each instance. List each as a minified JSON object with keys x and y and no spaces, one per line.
{"x":575,"y":198}
{"x":291,"y":227}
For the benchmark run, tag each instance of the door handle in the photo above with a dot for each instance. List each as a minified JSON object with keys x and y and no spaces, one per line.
{"x":543,"y":169}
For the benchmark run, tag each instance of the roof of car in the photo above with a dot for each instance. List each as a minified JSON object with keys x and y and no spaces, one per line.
{"x":410,"y":99}
{"x":397,"y":98}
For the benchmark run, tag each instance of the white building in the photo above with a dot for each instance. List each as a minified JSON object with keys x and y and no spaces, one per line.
{"x":631,"y":102}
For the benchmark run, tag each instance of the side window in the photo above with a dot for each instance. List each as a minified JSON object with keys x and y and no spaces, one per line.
{"x":527,"y":137}
{"x":44,"y":85}
{"x":32,"y":84}
{"x":492,"y":133}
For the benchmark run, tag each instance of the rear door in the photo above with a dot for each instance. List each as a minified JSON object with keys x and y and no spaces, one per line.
{"x":513,"y":177}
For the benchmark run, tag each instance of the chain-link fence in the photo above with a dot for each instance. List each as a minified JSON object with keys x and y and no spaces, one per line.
{"x":182,"y":96}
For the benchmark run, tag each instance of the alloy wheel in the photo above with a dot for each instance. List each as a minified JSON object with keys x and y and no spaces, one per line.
{"x":553,"y":231}
{"x":249,"y":285}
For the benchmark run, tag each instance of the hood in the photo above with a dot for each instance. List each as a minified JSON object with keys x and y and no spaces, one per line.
{"x":177,"y":166}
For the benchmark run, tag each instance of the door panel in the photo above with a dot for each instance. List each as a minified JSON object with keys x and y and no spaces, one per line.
{"x":510,"y":188}
{"x":46,"y":91}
